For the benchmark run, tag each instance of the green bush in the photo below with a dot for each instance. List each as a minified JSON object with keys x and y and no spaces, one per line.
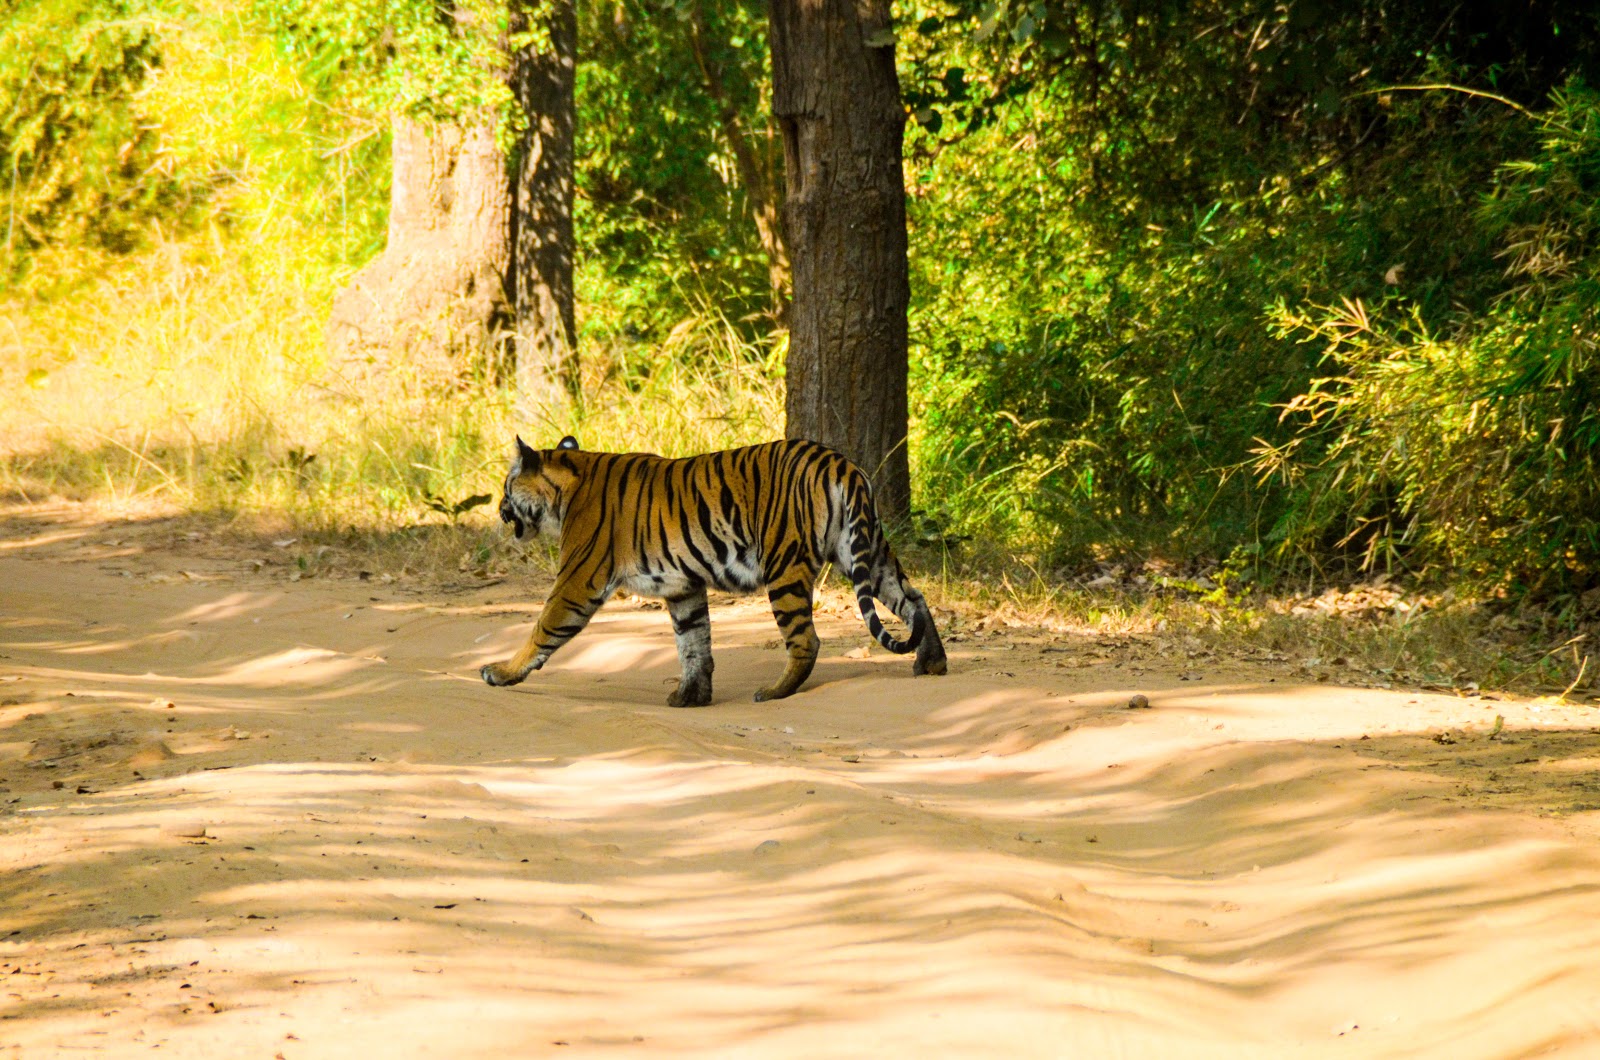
{"x":79,"y":165}
{"x":1472,"y":443}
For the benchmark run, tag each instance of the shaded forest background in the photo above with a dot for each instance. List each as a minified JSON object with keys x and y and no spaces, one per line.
{"x":1269,"y":290}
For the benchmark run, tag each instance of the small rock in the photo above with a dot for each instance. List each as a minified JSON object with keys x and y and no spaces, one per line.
{"x":150,"y":752}
{"x":767,"y":846}
{"x":1139,"y":702}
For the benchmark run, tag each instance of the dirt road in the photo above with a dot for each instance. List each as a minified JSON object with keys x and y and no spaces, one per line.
{"x":397,"y":860}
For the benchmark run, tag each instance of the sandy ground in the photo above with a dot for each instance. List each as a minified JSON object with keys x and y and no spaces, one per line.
{"x":397,"y":860}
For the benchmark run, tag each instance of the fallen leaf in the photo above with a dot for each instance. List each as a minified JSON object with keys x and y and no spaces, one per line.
{"x":185,"y":830}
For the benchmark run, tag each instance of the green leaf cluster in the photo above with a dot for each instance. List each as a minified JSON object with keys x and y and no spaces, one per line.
{"x":1473,"y":442}
{"x":663,"y":215}
{"x":132,"y":122}
{"x":76,"y":164}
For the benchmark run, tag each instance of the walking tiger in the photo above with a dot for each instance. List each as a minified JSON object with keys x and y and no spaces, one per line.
{"x":765,"y":516}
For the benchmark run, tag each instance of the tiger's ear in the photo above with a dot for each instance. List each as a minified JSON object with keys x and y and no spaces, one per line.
{"x":569,"y":442}
{"x":525,"y":455}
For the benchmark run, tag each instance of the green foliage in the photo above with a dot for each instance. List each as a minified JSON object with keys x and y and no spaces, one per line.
{"x":1304,"y":285}
{"x":79,"y":167}
{"x":1109,"y":201}
{"x":664,"y":215}
{"x":437,"y":61}
{"x":1474,"y":444}
{"x":114,"y":138}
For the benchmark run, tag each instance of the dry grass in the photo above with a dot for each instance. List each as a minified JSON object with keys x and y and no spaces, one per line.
{"x":180,"y":378}
{"x":1375,"y":634}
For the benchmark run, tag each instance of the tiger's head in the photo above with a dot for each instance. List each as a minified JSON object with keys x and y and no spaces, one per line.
{"x":535,"y":487}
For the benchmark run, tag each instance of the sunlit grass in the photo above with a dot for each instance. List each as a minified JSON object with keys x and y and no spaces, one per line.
{"x":181,"y":378}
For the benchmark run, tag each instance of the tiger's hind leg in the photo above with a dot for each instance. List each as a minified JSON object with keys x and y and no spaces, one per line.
{"x":892,"y":588}
{"x":691,"y":624}
{"x":790,"y":595}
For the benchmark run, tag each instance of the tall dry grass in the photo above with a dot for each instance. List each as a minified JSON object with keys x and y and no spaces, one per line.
{"x":180,"y":377}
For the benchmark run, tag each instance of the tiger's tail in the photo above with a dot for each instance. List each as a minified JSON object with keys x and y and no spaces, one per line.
{"x":868,"y":549}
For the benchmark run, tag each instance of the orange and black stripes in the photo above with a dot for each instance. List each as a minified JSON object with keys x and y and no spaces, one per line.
{"x":763,"y":516}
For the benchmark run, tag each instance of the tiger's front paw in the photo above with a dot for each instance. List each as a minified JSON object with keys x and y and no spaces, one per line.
{"x":499,"y":675}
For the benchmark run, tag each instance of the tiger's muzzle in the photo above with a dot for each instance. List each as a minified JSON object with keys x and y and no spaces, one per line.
{"x":509,"y":514}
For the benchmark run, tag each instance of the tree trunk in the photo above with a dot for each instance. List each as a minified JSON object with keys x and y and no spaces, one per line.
{"x":837,"y":99}
{"x":758,"y":170}
{"x":436,"y":296}
{"x":478,"y":262}
{"x":542,"y":79}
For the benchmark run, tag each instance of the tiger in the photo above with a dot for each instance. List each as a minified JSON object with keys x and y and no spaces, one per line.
{"x":738,"y":520}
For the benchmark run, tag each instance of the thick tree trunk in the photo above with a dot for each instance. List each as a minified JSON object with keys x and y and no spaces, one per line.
{"x":837,"y":100}
{"x":478,"y":263}
{"x":436,"y":296}
{"x":542,"y":79}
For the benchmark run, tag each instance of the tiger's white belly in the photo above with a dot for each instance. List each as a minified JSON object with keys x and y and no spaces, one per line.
{"x":662,"y":583}
{"x":741,"y":574}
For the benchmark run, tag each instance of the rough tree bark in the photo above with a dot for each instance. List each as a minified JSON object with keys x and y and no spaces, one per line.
{"x":542,"y":78}
{"x":837,"y":100}
{"x":436,"y":295}
{"x":478,"y":263}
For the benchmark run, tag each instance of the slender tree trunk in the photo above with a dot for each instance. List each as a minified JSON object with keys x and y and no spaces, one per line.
{"x":758,"y":172}
{"x":542,"y":79}
{"x":837,"y":99}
